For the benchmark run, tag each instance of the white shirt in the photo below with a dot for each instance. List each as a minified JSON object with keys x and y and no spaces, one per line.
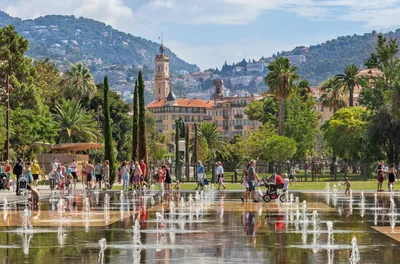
{"x":72,"y":167}
{"x":220,"y":170}
{"x":285,"y":183}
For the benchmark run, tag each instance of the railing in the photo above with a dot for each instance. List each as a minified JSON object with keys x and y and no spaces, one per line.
{"x":207,"y":118}
{"x":158,"y":121}
{"x":238,"y":116}
{"x":239,"y":104}
{"x":238,"y":127}
{"x":225,"y":127}
{"x":225,"y":117}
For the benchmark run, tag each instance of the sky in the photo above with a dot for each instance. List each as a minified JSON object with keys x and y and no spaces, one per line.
{"x":210,"y":32}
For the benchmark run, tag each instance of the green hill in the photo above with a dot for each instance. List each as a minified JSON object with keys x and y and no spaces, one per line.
{"x":328,"y":59}
{"x":71,"y":39}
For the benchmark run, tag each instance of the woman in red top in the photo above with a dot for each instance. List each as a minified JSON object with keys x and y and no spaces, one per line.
{"x":7,"y":171}
{"x":161,"y":176}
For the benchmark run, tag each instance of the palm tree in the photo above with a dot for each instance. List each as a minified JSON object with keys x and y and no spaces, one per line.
{"x":304,"y":89}
{"x":76,"y":125}
{"x":280,"y":80}
{"x":332,"y":97}
{"x":78,"y":83}
{"x":332,"y":94}
{"x":349,"y":80}
{"x":216,"y":141}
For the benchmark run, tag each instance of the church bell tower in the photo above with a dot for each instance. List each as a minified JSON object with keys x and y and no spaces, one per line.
{"x":161,"y":78}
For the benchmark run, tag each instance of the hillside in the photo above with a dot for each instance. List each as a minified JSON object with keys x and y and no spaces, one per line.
{"x":71,"y":39}
{"x":319,"y":62}
{"x":329,"y":58}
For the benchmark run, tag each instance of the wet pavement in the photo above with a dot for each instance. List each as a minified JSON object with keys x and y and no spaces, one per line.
{"x":214,"y":227}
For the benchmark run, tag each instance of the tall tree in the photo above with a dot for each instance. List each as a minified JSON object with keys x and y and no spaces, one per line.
{"x":349,"y":80}
{"x":107,"y":130}
{"x":78,"y":83}
{"x":195,"y":146}
{"x":280,"y":80}
{"x":332,"y":94}
{"x":135,"y":131}
{"x":142,"y":120}
{"x":177,"y":154}
{"x":187,"y":156}
{"x":76,"y":124}
{"x":12,"y":52}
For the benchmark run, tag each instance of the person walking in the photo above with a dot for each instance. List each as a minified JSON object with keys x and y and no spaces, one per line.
{"x":17,"y":171}
{"x":106,"y":174}
{"x":89,"y":174}
{"x":199,"y":176}
{"x":125,"y":176}
{"x":168,"y":180}
{"x":143,"y":168}
{"x":245,"y":182}
{"x":7,"y":171}
{"x":132,"y":175}
{"x":137,"y":174}
{"x":98,"y":169}
{"x":73,"y":167}
{"x":380,"y":173}
{"x":392,"y":175}
{"x":220,"y":174}
{"x":251,"y":178}
{"x":160,"y":181}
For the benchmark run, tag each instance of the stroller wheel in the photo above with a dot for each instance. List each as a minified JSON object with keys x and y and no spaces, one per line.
{"x":282,"y":197}
{"x":266,"y":198}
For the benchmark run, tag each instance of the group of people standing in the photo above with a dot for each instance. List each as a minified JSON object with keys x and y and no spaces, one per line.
{"x":66,"y":176}
{"x":29,"y":170}
{"x":133,"y":175}
{"x":390,"y":173}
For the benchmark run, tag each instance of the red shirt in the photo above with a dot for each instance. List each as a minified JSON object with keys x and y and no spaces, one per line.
{"x":278,"y":179}
{"x":143,"y":168}
{"x":7,"y":168}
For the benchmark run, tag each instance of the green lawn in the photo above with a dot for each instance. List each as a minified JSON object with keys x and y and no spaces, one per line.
{"x":311,"y":186}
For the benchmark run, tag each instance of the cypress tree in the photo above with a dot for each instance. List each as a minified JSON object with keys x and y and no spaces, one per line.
{"x":135,"y":127}
{"x":108,"y":144}
{"x":187,"y":161}
{"x":177,"y":158}
{"x":142,"y":121}
{"x":195,"y":143}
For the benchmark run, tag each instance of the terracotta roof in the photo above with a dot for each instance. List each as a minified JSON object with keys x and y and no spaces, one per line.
{"x":183,"y":103}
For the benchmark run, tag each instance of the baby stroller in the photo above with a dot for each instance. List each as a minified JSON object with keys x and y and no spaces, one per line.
{"x":3,"y":182}
{"x":274,"y":191}
{"x":23,"y":184}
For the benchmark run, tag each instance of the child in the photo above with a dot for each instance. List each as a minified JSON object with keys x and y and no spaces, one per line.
{"x":70,"y":180}
{"x":34,"y":199}
{"x":177,"y":186}
{"x":286,"y":183}
{"x":347,"y":184}
{"x":62,"y":184}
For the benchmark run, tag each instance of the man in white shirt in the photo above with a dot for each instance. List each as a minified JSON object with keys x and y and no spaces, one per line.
{"x":286,"y":183}
{"x":220,"y":174}
{"x":73,"y":167}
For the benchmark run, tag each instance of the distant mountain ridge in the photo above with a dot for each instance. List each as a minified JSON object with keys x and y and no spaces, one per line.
{"x":75,"y":39}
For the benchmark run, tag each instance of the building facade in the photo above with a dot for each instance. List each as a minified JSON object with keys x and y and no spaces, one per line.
{"x":227,"y":112}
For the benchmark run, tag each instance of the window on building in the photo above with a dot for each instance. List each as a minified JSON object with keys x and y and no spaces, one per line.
{"x":322,"y":108}
{"x":322,"y":120}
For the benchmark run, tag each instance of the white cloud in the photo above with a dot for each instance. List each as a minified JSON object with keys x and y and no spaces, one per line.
{"x":112,"y":12}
